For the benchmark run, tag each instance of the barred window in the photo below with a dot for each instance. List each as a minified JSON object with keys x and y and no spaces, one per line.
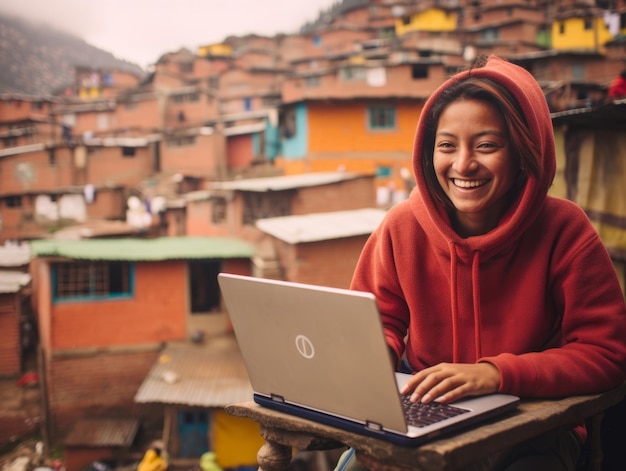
{"x":219,"y":210}
{"x":381,"y":117}
{"x":181,"y":141}
{"x":92,"y":280}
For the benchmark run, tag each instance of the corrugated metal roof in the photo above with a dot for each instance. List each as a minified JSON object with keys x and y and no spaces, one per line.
{"x":13,"y":281}
{"x":283,"y":182}
{"x":14,"y":256}
{"x":135,"y":249}
{"x":609,"y":116}
{"x":206,"y":375}
{"x":102,"y":432}
{"x":322,"y":226}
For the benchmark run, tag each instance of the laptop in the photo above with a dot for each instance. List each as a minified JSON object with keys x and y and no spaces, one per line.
{"x":319,"y":353}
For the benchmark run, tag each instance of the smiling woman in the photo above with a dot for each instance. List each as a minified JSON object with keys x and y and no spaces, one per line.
{"x":485,"y":283}
{"x":474,"y":165}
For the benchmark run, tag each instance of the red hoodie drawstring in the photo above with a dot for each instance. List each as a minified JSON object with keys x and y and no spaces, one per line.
{"x":476,"y":299}
{"x":454,"y":304}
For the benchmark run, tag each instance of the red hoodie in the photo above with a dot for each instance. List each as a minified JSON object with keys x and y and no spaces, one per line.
{"x":537,"y":296}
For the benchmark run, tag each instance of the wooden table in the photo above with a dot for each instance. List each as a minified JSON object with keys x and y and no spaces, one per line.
{"x":282,"y":433}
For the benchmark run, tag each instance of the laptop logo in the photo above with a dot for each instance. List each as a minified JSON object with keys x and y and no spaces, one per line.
{"x":305,"y":346}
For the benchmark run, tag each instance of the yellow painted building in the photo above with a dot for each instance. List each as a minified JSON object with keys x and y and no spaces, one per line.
{"x":219,"y":49}
{"x":586,"y":33}
{"x":431,"y":19}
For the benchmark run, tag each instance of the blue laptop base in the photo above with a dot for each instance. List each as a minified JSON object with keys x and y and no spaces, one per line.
{"x":361,"y":429}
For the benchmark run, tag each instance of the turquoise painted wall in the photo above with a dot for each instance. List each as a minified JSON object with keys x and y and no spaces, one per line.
{"x":272,"y":141}
{"x":295,"y":147}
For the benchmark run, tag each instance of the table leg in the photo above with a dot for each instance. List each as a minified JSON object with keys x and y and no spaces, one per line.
{"x":273,"y":456}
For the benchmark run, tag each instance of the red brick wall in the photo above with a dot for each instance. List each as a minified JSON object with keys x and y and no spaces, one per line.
{"x":398,"y":83}
{"x":239,"y":151}
{"x":15,"y":109}
{"x":109,"y":166}
{"x":350,"y":194}
{"x":145,"y":113}
{"x":102,"y":384}
{"x":239,"y":266}
{"x":156,"y":312}
{"x":324,"y":263}
{"x":42,"y":174}
{"x":204,"y":109}
{"x":198,"y":219}
{"x":200,"y":159}
{"x":78,"y":458}
{"x":93,"y":121}
{"x":10,"y":362}
{"x":109,"y":203}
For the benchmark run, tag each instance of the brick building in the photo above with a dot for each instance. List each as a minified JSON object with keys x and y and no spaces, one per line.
{"x":107,"y":307}
{"x":320,"y":249}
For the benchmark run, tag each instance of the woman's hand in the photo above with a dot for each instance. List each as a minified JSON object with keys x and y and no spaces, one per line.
{"x":447,"y":382}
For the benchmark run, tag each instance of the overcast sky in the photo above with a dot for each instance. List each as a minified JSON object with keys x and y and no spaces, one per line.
{"x":141,"y":30}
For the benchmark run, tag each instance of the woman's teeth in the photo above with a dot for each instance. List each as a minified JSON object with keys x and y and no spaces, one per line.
{"x":468,"y":183}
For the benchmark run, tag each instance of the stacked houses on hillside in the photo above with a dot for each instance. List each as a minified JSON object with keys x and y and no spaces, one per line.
{"x":273,"y":156}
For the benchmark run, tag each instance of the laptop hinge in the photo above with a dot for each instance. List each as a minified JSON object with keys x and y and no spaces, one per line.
{"x":375,"y":426}
{"x":277,"y":398}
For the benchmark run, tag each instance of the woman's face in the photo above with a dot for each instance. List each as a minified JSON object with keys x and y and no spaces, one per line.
{"x":474,"y":164}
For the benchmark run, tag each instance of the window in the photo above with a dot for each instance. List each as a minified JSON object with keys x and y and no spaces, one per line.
{"x":287,"y":123}
{"x":381,"y":117}
{"x":383,"y":171}
{"x":10,"y":141}
{"x":490,"y":35}
{"x":203,"y":287}
{"x":578,"y":71}
{"x":186,"y":67}
{"x":218,"y":215}
{"x":181,"y":141}
{"x":13,"y":202}
{"x":588,"y":24}
{"x":352,"y":73}
{"x":128,"y":151}
{"x":92,"y":280}
{"x":312,"y":81}
{"x":186,"y":97}
{"x":102,"y":121}
{"x":213,"y":82}
{"x":265,"y":205}
{"x":561,"y":28}
{"x":419,"y":72}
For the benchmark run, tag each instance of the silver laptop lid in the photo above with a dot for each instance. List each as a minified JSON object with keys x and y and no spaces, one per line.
{"x":298,"y":345}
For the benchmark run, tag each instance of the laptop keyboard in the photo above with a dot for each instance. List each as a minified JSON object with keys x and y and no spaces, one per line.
{"x":421,"y":415}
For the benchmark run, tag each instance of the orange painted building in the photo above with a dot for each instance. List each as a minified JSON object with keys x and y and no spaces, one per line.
{"x":360,"y":135}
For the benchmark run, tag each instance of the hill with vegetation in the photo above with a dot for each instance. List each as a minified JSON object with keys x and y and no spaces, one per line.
{"x":38,"y":60}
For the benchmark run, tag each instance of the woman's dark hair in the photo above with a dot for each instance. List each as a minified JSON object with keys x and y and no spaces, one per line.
{"x":521,"y":142}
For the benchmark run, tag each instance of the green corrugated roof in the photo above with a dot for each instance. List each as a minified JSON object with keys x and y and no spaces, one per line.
{"x":134,"y":249}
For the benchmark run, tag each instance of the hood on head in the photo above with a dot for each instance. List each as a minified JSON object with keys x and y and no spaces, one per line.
{"x":532,"y":101}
